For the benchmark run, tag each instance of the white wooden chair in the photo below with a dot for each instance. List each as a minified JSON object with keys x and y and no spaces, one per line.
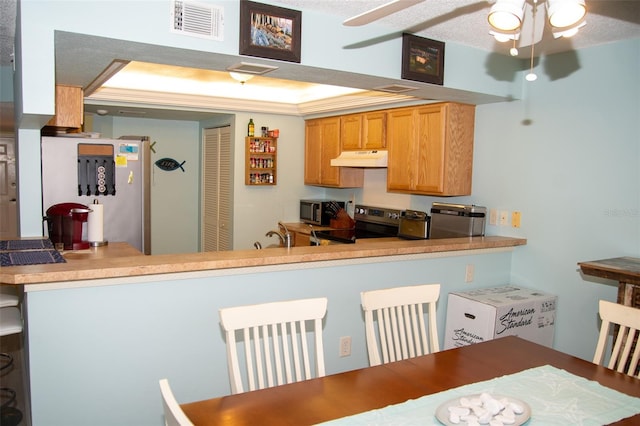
{"x":173,"y":414}
{"x":622,"y":358}
{"x":400,"y":314}
{"x":275,"y":341}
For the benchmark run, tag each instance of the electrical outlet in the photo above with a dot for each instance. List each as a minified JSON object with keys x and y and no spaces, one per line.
{"x":515,"y":219}
{"x":468,"y":273}
{"x":493,"y":217}
{"x":345,"y":346}
{"x":504,"y":217}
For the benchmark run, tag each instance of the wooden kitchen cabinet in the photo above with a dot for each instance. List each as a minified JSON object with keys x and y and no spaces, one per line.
{"x":431,"y":149}
{"x":364,"y":131}
{"x":69,"y":107}
{"x":301,"y":239}
{"x":322,"y":144}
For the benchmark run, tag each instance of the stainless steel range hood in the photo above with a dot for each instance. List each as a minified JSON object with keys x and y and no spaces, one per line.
{"x":377,"y":158}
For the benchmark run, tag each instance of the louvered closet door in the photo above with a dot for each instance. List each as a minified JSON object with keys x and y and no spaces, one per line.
{"x":217,"y":205}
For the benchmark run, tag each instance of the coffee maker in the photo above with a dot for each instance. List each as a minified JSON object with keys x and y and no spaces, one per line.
{"x":65,"y":223}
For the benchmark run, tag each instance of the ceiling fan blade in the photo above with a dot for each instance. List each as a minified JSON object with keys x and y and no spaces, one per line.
{"x":380,"y":12}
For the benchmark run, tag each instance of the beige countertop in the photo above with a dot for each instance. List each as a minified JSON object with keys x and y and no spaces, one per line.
{"x":122,"y":260}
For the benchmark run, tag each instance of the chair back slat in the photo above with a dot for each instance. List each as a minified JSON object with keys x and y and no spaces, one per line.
{"x":401,"y":331}
{"x":276,"y":345}
{"x":625,"y":345}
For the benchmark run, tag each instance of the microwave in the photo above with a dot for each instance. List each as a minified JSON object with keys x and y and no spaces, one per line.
{"x":316,"y":212}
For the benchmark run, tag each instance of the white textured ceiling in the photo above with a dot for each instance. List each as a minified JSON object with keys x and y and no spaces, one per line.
{"x":465,"y":21}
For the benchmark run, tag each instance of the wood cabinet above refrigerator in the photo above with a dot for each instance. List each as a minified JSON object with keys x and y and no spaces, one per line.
{"x":69,"y":108}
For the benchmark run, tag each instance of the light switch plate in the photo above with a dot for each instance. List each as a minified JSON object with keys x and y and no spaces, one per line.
{"x":493,"y":217}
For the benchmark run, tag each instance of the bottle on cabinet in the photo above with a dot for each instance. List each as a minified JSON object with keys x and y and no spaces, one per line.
{"x":251,"y":128}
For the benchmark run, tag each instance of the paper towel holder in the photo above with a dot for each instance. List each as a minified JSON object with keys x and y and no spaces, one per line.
{"x":97,"y":243}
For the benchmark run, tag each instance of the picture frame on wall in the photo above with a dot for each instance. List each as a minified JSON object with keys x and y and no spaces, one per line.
{"x":422,"y":59}
{"x":270,"y":31}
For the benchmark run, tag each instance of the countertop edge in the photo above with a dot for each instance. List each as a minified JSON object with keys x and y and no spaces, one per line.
{"x":136,"y":266}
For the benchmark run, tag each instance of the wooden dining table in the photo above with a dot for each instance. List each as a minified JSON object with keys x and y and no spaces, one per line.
{"x":357,"y":391}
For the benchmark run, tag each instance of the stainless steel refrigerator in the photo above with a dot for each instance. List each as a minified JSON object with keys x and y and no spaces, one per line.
{"x":116,"y":172}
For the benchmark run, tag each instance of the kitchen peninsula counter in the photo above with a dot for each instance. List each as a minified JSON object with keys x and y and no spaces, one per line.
{"x":119,"y":260}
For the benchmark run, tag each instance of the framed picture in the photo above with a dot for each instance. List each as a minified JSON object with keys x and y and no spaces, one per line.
{"x":422,"y":59}
{"x":269,"y":31}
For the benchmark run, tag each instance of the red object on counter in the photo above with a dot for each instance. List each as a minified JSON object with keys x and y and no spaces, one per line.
{"x":65,"y":225}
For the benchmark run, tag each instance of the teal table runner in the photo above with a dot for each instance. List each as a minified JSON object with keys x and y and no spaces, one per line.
{"x":555,"y":396}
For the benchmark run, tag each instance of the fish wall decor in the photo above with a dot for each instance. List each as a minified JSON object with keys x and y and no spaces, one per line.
{"x":169,"y":164}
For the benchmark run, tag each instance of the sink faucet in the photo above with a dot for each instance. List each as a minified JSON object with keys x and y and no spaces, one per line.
{"x":285,"y":237}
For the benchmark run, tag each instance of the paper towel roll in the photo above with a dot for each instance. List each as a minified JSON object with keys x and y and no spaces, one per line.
{"x":95,"y":223}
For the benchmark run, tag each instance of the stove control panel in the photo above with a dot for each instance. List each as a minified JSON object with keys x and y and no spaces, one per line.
{"x":377,"y":215}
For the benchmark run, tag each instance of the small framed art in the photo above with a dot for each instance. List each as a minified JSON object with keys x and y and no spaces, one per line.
{"x":422,"y":59}
{"x":270,"y":31}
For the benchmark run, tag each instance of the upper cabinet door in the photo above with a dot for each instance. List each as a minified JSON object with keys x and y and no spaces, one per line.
{"x":402,"y":161}
{"x":374,"y":130}
{"x":431,"y":149}
{"x":351,"y":132}
{"x":330,"y":149}
{"x":312,"y":152}
{"x":322,"y":144}
{"x":364,"y":131}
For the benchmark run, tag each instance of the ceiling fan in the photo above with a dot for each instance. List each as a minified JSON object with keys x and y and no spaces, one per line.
{"x":524,"y":22}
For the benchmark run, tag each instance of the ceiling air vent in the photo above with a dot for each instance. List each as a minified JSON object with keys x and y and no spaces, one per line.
{"x":197,"y":19}
{"x":395,"y":88}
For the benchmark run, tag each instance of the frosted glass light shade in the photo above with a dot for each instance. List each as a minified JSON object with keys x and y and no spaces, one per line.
{"x":506,"y":15}
{"x":241,"y":77}
{"x":564,"y":13}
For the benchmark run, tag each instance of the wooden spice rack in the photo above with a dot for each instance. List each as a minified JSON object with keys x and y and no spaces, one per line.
{"x":261,"y":161}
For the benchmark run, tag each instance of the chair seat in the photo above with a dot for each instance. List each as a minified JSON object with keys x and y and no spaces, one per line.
{"x":10,"y":321}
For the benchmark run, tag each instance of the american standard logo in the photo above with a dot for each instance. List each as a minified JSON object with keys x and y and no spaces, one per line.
{"x":516,"y":318}
{"x":465,"y":337}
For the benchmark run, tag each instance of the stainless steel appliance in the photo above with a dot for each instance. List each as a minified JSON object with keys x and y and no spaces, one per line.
{"x":414,"y":225}
{"x":457,"y":220}
{"x":318,"y":212}
{"x":114,"y":171}
{"x":370,"y":222}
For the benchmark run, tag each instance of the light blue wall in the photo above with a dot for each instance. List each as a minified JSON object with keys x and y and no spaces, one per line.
{"x":96,"y":354}
{"x":566,"y":156}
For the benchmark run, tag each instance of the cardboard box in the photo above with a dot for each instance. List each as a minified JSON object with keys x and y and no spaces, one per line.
{"x":484,"y":314}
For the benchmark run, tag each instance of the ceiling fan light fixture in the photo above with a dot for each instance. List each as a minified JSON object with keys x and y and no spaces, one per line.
{"x":565,"y":13}
{"x":506,"y":15}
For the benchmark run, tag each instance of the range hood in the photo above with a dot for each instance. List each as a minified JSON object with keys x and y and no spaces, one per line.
{"x":377,"y":158}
